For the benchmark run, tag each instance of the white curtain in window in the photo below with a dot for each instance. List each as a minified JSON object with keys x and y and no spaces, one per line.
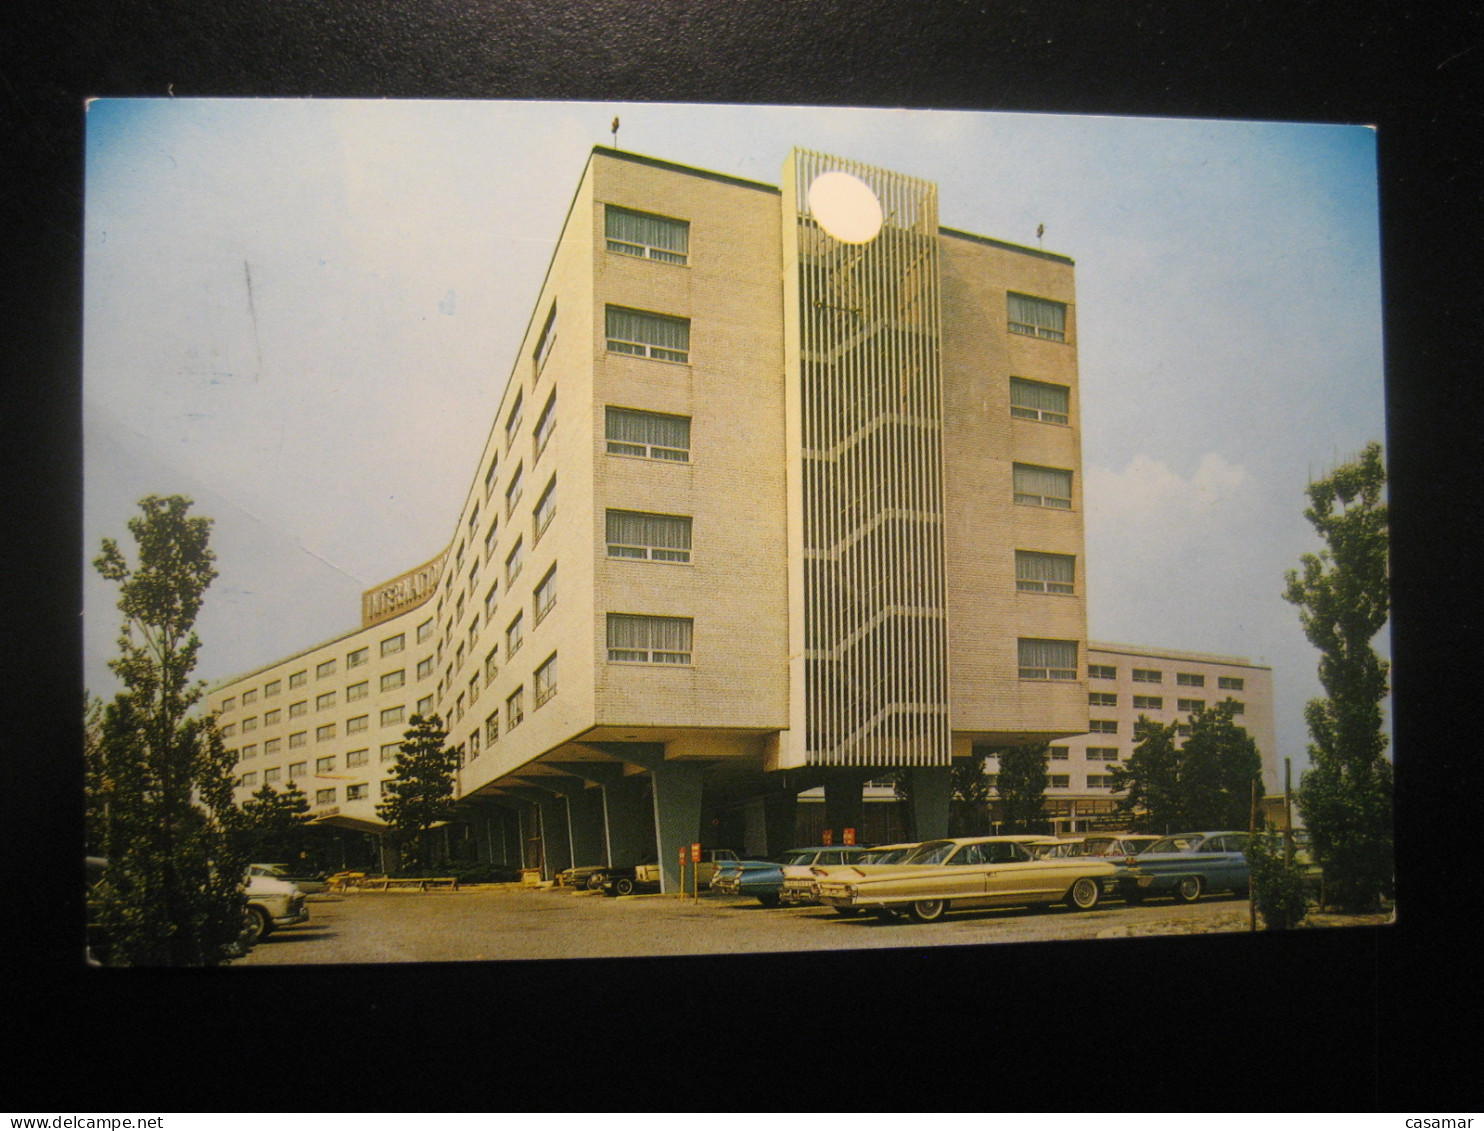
{"x":644,"y":634}
{"x":1048,"y":653}
{"x":1038,"y":312}
{"x":650,"y":329}
{"x":662,"y":531}
{"x":1045,"y":567}
{"x":653,"y":231}
{"x":1035,"y":394}
{"x":631,"y":427}
{"x":1045,"y":481}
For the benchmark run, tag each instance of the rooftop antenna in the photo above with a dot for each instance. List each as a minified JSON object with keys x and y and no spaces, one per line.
{"x":1040,"y":231}
{"x":614,"y":128}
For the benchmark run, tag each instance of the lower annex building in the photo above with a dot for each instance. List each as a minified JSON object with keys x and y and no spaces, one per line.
{"x":783,"y":494}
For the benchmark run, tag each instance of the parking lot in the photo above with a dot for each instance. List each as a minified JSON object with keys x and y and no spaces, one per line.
{"x":510,"y":922}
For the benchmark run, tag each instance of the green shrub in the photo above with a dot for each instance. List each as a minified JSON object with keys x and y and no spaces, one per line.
{"x":1277,"y":887}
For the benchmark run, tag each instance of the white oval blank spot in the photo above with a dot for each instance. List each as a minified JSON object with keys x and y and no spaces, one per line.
{"x":845,"y":207}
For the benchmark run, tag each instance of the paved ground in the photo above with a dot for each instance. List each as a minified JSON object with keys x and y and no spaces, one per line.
{"x":516,"y":923}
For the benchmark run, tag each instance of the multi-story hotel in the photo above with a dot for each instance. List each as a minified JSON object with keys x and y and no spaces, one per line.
{"x":784,"y":493}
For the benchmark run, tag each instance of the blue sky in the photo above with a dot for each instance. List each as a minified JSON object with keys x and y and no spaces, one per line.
{"x":302,"y":314}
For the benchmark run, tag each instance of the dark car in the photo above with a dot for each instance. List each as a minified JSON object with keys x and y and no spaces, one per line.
{"x":1187,"y":865}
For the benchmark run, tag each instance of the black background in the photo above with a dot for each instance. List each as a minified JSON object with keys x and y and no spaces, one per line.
{"x":1335,"y":1020}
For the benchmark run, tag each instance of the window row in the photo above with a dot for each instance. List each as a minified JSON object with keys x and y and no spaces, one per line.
{"x":388,"y":647}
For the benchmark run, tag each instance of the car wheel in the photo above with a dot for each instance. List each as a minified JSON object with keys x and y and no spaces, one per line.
{"x":259,"y":926}
{"x":1084,"y":894}
{"x":847,"y":912}
{"x":624,"y":885}
{"x":595,"y":881}
{"x":929,"y":910}
{"x":769,"y":899}
{"x":1189,"y":889}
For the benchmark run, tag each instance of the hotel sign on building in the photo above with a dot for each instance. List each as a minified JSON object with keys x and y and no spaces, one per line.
{"x":401,"y":593}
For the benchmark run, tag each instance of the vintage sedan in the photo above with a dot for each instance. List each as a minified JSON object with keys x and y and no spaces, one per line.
{"x":801,"y":882}
{"x":984,"y":871}
{"x":1187,"y":865}
{"x":763,"y":879}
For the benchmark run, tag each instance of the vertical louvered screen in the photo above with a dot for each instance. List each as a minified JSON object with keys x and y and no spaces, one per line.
{"x":875,"y":625}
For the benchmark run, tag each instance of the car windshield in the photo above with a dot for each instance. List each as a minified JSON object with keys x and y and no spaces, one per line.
{"x":1174,"y":844}
{"x":933,"y":852}
{"x":800,"y":858}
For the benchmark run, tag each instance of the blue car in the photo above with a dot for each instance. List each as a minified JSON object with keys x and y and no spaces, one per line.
{"x":763,"y":879}
{"x":1187,"y":865}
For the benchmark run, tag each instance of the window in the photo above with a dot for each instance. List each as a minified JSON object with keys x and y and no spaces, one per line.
{"x":272,"y":746}
{"x":386,"y":787}
{"x":546,"y":595}
{"x":325,"y":765}
{"x":299,"y":738}
{"x":250,"y":723}
{"x":425,"y":630}
{"x":458,"y":709}
{"x":458,"y":615}
{"x":515,"y":635}
{"x":298,"y":770}
{"x":515,"y":710}
{"x":1149,"y":703}
{"x":490,"y":539}
{"x":1102,"y":753}
{"x":1043,"y":487}
{"x":1037,"y":317}
{"x":649,"y":640}
{"x":645,"y":235}
{"x":358,"y":657}
{"x":325,"y":670}
{"x":649,"y":537}
{"x":1183,"y":730}
{"x":1148,"y":675}
{"x":390,"y":750}
{"x":473,"y":688}
{"x":1101,"y":699}
{"x":1060,"y":753}
{"x":1047,"y":659}
{"x":458,"y":657}
{"x":514,"y":492}
{"x":393,"y":680}
{"x":1190,"y":704}
{"x":1225,"y":682}
{"x":513,"y":562}
{"x":545,"y":423}
{"x":249,"y":779}
{"x":272,"y":718}
{"x":298,"y":679}
{"x":491,"y":728}
{"x":546,"y":680}
{"x":1238,"y":707}
{"x":393,"y":644}
{"x":473,"y":523}
{"x":1045,"y":573}
{"x":393,"y":715}
{"x":1190,"y":679}
{"x":545,"y":508}
{"x":546,"y":341}
{"x":356,"y":757}
{"x":324,"y":796}
{"x":249,"y":697}
{"x":228,"y":730}
{"x":641,"y":334}
{"x":272,"y":775}
{"x":357,"y":792}
{"x":491,"y":599}
{"x":1036,"y":400}
{"x":652,"y":435}
{"x":324,"y":733}
{"x":1099,"y":781}
{"x":324,"y":702}
{"x":229,"y":704}
{"x":425,"y":667}
{"x":513,"y":421}
{"x":1058,"y":781}
{"x":270,"y":689}
{"x":299,"y":708}
{"x":474,"y":743}
{"x":357,"y":724}
{"x":492,"y":665}
{"x":249,"y":751}
{"x":1102,"y":726}
{"x":1101,"y":671}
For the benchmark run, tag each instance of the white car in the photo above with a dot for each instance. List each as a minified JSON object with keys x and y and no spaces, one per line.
{"x":271,"y":903}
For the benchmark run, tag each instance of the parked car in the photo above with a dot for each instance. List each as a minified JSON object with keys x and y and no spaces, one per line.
{"x":587,"y":877}
{"x":1103,"y":844}
{"x":989,"y":871}
{"x":801,"y":885}
{"x":1187,"y":865}
{"x":763,"y":879}
{"x":646,"y":876}
{"x":310,"y":883}
{"x":271,"y":903}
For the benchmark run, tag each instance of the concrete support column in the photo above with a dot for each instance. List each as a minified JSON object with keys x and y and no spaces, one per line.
{"x":780,"y":819}
{"x":629,"y":821}
{"x":843,"y":807}
{"x":677,"y":815}
{"x":930,"y":789}
{"x":585,"y":816}
{"x":555,"y":834}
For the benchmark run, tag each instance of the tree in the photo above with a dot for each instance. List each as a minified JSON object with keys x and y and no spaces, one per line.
{"x":1022,"y":787}
{"x":272,"y":824}
{"x":1219,"y":764}
{"x":1150,"y":780}
{"x":969,"y":810}
{"x":96,"y":789}
{"x":1343,"y":599}
{"x":420,"y":794}
{"x":1277,"y":883}
{"x":160,"y":780}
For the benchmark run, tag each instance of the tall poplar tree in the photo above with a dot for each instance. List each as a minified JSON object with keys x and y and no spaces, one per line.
{"x":1150,"y":779}
{"x":1343,"y":597}
{"x":1219,"y":765}
{"x":1021,"y":784}
{"x":162,"y":781}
